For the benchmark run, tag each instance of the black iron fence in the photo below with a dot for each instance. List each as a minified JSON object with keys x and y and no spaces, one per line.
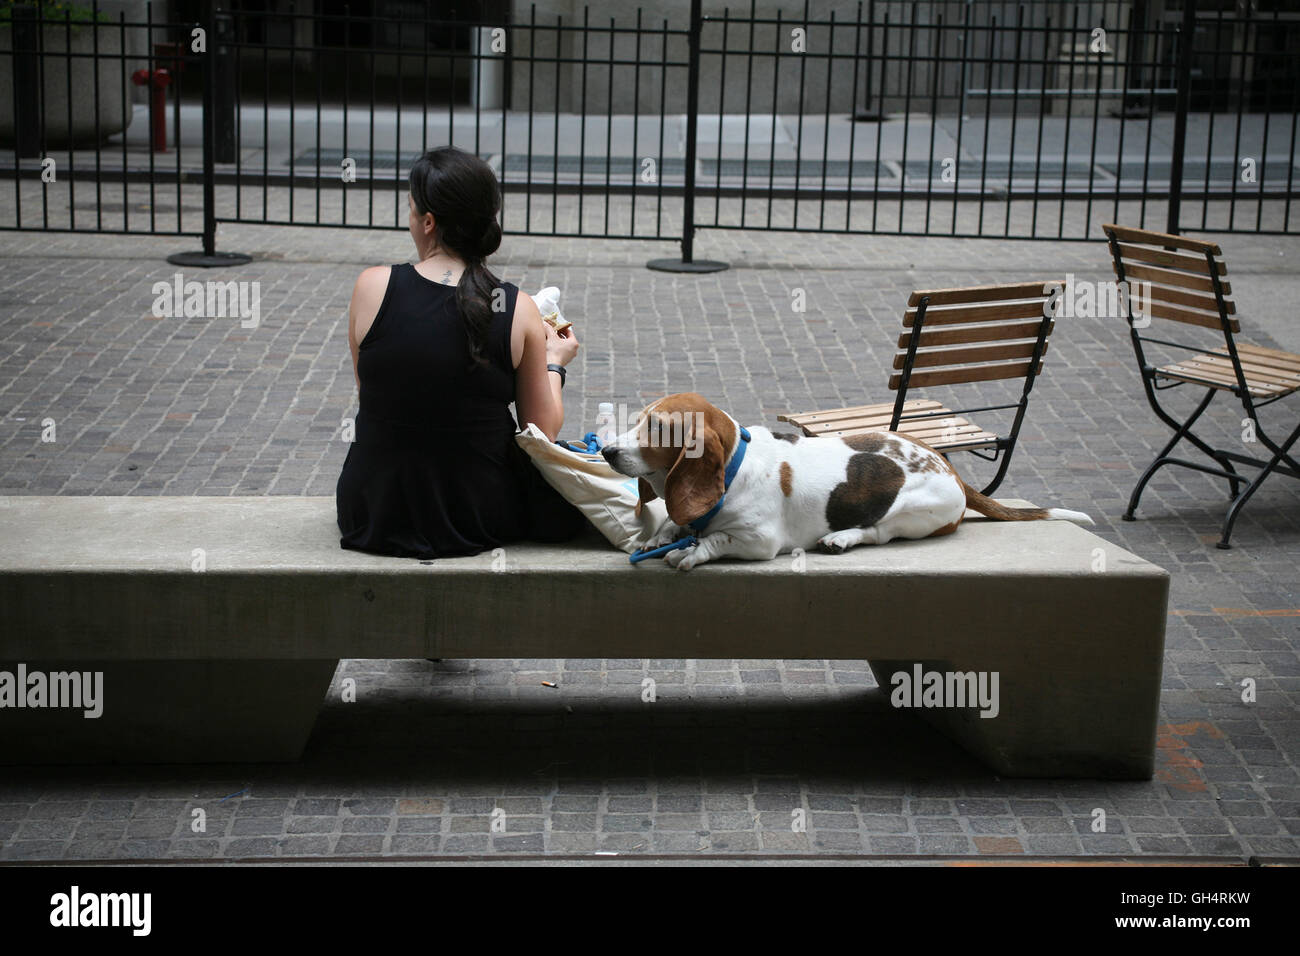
{"x":1034,"y":120}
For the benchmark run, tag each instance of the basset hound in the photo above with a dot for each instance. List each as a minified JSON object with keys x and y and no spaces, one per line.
{"x":747,"y":493}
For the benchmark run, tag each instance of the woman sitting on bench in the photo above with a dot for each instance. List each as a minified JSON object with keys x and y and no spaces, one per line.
{"x":439,"y":350}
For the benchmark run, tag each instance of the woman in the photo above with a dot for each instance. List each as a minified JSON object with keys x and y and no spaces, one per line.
{"x":440,"y":349}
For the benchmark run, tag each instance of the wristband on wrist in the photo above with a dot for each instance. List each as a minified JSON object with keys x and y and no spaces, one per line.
{"x":557,"y":368}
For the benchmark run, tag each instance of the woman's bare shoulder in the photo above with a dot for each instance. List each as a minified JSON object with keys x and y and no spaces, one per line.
{"x":375,"y":277}
{"x":367,"y":298}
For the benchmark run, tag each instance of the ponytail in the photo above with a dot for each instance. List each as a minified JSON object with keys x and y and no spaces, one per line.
{"x":475,"y":296}
{"x":462,"y":192}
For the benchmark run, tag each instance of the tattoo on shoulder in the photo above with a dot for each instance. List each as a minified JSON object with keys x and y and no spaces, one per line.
{"x":446,"y":277}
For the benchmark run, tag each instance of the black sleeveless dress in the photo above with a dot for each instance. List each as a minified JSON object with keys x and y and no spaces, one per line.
{"x":434,"y":470}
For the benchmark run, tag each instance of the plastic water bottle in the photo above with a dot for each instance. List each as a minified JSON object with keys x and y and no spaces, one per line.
{"x":606,"y":429}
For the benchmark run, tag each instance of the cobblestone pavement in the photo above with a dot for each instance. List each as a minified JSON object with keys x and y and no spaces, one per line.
{"x":423,"y":762}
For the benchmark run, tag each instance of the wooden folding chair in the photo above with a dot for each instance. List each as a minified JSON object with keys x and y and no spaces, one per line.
{"x":953,"y":336}
{"x":1187,"y":287}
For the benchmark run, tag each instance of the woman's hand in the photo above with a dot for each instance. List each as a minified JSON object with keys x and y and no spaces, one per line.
{"x":561,"y":347}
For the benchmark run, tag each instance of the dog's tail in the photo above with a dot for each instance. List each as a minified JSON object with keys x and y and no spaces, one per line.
{"x":999,"y":512}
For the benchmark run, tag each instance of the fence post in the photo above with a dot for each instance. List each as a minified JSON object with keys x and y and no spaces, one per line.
{"x":208,"y":257}
{"x":687,"y":262}
{"x":866,"y":113}
{"x":26,"y":76}
{"x":1182,"y":104}
{"x":223,"y":87}
{"x":1133,"y":107}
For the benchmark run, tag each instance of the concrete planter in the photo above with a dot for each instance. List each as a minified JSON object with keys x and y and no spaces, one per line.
{"x":72,"y":77}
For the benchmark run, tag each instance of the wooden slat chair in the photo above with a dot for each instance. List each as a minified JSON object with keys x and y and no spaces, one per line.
{"x":1187,"y":287}
{"x":950,"y":337}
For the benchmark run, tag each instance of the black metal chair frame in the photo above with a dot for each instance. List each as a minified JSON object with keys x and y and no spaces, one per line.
{"x":1183,"y":429}
{"x":1005,"y":446}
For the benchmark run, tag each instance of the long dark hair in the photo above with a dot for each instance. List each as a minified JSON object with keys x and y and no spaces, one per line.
{"x":462,"y":192}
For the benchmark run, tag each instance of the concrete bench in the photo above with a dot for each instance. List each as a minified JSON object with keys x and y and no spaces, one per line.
{"x":217,"y":624}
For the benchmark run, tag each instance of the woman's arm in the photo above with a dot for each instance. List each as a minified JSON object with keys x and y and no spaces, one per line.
{"x":537,"y":390}
{"x":367,"y":297}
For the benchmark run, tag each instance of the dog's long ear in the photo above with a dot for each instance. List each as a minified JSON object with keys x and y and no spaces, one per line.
{"x":695,"y":484}
{"x":645,"y":492}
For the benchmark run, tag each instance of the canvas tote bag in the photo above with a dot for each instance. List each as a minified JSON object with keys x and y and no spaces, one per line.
{"x":586,"y":481}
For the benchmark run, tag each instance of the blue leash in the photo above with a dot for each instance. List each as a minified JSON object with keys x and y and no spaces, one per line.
{"x":685,"y":542}
{"x":589,"y":439}
{"x":700,"y":523}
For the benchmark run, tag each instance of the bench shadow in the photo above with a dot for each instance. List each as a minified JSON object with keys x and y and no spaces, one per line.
{"x":404,"y":739}
{"x":856,"y":736}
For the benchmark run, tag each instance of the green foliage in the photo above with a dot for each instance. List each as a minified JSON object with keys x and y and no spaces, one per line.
{"x":57,"y":11}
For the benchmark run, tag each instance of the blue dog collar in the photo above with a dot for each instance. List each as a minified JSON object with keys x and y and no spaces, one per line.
{"x":733,"y":466}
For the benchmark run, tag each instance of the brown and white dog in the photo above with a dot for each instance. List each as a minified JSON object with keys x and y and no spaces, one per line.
{"x":792,"y":492}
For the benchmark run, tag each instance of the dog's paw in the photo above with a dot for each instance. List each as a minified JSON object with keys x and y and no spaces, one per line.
{"x":667,"y":534}
{"x":683,"y":559}
{"x":837,"y":542}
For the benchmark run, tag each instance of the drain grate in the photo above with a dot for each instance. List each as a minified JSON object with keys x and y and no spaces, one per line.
{"x":594,"y":166}
{"x":1222,"y":172}
{"x":379,"y":159}
{"x":969,"y":169}
{"x":788,"y":168}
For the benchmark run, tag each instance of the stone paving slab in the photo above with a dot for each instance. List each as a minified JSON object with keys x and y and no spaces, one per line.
{"x":416,"y":767}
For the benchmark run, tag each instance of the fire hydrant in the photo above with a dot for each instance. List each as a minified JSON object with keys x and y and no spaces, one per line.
{"x":158,"y":80}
